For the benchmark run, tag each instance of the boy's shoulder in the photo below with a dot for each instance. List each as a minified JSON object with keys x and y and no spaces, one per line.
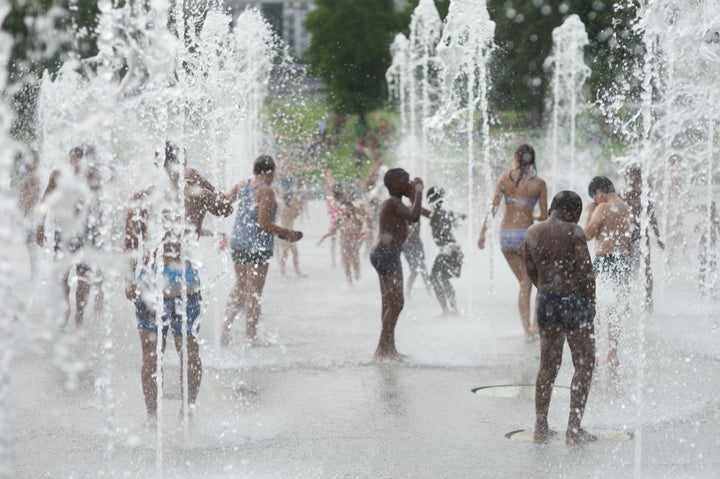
{"x":391,"y":201}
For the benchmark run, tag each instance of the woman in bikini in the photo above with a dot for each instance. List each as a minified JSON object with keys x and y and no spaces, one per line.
{"x":522,"y":189}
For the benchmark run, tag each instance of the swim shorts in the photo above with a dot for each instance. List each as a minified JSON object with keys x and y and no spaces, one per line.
{"x":614,"y":266}
{"x":351,"y":248}
{"x":251,"y":257}
{"x":171,"y":318}
{"x":386,"y":261}
{"x":173,"y":280}
{"x":568,"y":311}
{"x":448,"y":262}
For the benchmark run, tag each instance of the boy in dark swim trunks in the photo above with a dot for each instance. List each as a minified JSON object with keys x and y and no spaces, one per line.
{"x":558,"y":263}
{"x":385,"y":256}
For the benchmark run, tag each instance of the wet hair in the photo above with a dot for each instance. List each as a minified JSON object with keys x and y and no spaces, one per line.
{"x":435,"y":195}
{"x":526,"y":157}
{"x":601,"y":183}
{"x":568,"y":205}
{"x":633,"y":170}
{"x":263,"y":165}
{"x":337,"y":191}
{"x":81,"y":151}
{"x":392,"y":175}
{"x":171,"y":154}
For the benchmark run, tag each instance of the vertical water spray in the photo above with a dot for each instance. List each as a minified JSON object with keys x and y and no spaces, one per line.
{"x":8,"y":279}
{"x":671,"y":114}
{"x":569,"y":73}
{"x":464,"y":51}
{"x":398,"y":75}
{"x":425,"y":28}
{"x":179,"y":74}
{"x":413,"y":81}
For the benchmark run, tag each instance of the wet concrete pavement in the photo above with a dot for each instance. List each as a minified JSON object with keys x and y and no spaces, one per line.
{"x":312,"y":403}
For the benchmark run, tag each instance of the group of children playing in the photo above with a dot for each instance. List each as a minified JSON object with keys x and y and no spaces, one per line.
{"x":349,"y":217}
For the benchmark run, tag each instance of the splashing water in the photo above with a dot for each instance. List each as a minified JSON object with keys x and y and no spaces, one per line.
{"x":569,"y":72}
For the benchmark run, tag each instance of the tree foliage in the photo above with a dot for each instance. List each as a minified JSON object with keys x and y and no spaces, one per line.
{"x":524,"y":37}
{"x":44,"y":32}
{"x":350,"y":46}
{"x":350,"y":50}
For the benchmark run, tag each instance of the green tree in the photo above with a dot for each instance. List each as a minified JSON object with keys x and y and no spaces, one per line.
{"x":406,"y":14}
{"x":44,"y":32}
{"x":350,"y":50}
{"x":524,"y":37}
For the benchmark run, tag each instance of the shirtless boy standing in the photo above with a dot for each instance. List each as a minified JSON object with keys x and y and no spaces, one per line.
{"x":385,"y":255}
{"x":608,"y":222}
{"x":558,"y":263}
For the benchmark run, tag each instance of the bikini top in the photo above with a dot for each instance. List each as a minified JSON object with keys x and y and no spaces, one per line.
{"x":522,"y":201}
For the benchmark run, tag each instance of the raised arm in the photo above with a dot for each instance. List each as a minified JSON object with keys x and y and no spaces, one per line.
{"x":373,"y":174}
{"x":214,"y":201}
{"x":412,"y":213}
{"x":595,"y":216}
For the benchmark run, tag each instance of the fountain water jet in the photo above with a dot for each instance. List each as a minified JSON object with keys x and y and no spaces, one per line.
{"x":201,"y":86}
{"x":569,"y":72}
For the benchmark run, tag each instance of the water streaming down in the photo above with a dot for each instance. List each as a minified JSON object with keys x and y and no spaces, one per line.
{"x":671,"y":135}
{"x":11,"y":303}
{"x":143,"y":88}
{"x":464,"y":51}
{"x":674,"y":124}
{"x":413,"y":79}
{"x":311,"y":403}
{"x":568,"y":71}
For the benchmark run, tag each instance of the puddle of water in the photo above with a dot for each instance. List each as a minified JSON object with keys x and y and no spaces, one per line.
{"x":517,"y":391}
{"x":603,"y":435}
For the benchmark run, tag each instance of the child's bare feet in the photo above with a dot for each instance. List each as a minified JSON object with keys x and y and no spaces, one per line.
{"x":578,"y":437}
{"x":529,"y":336}
{"x":543,"y":435}
{"x":382,"y":355}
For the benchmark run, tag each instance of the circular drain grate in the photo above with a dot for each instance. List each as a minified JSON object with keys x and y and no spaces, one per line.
{"x":517,"y":391}
{"x":603,"y":435}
